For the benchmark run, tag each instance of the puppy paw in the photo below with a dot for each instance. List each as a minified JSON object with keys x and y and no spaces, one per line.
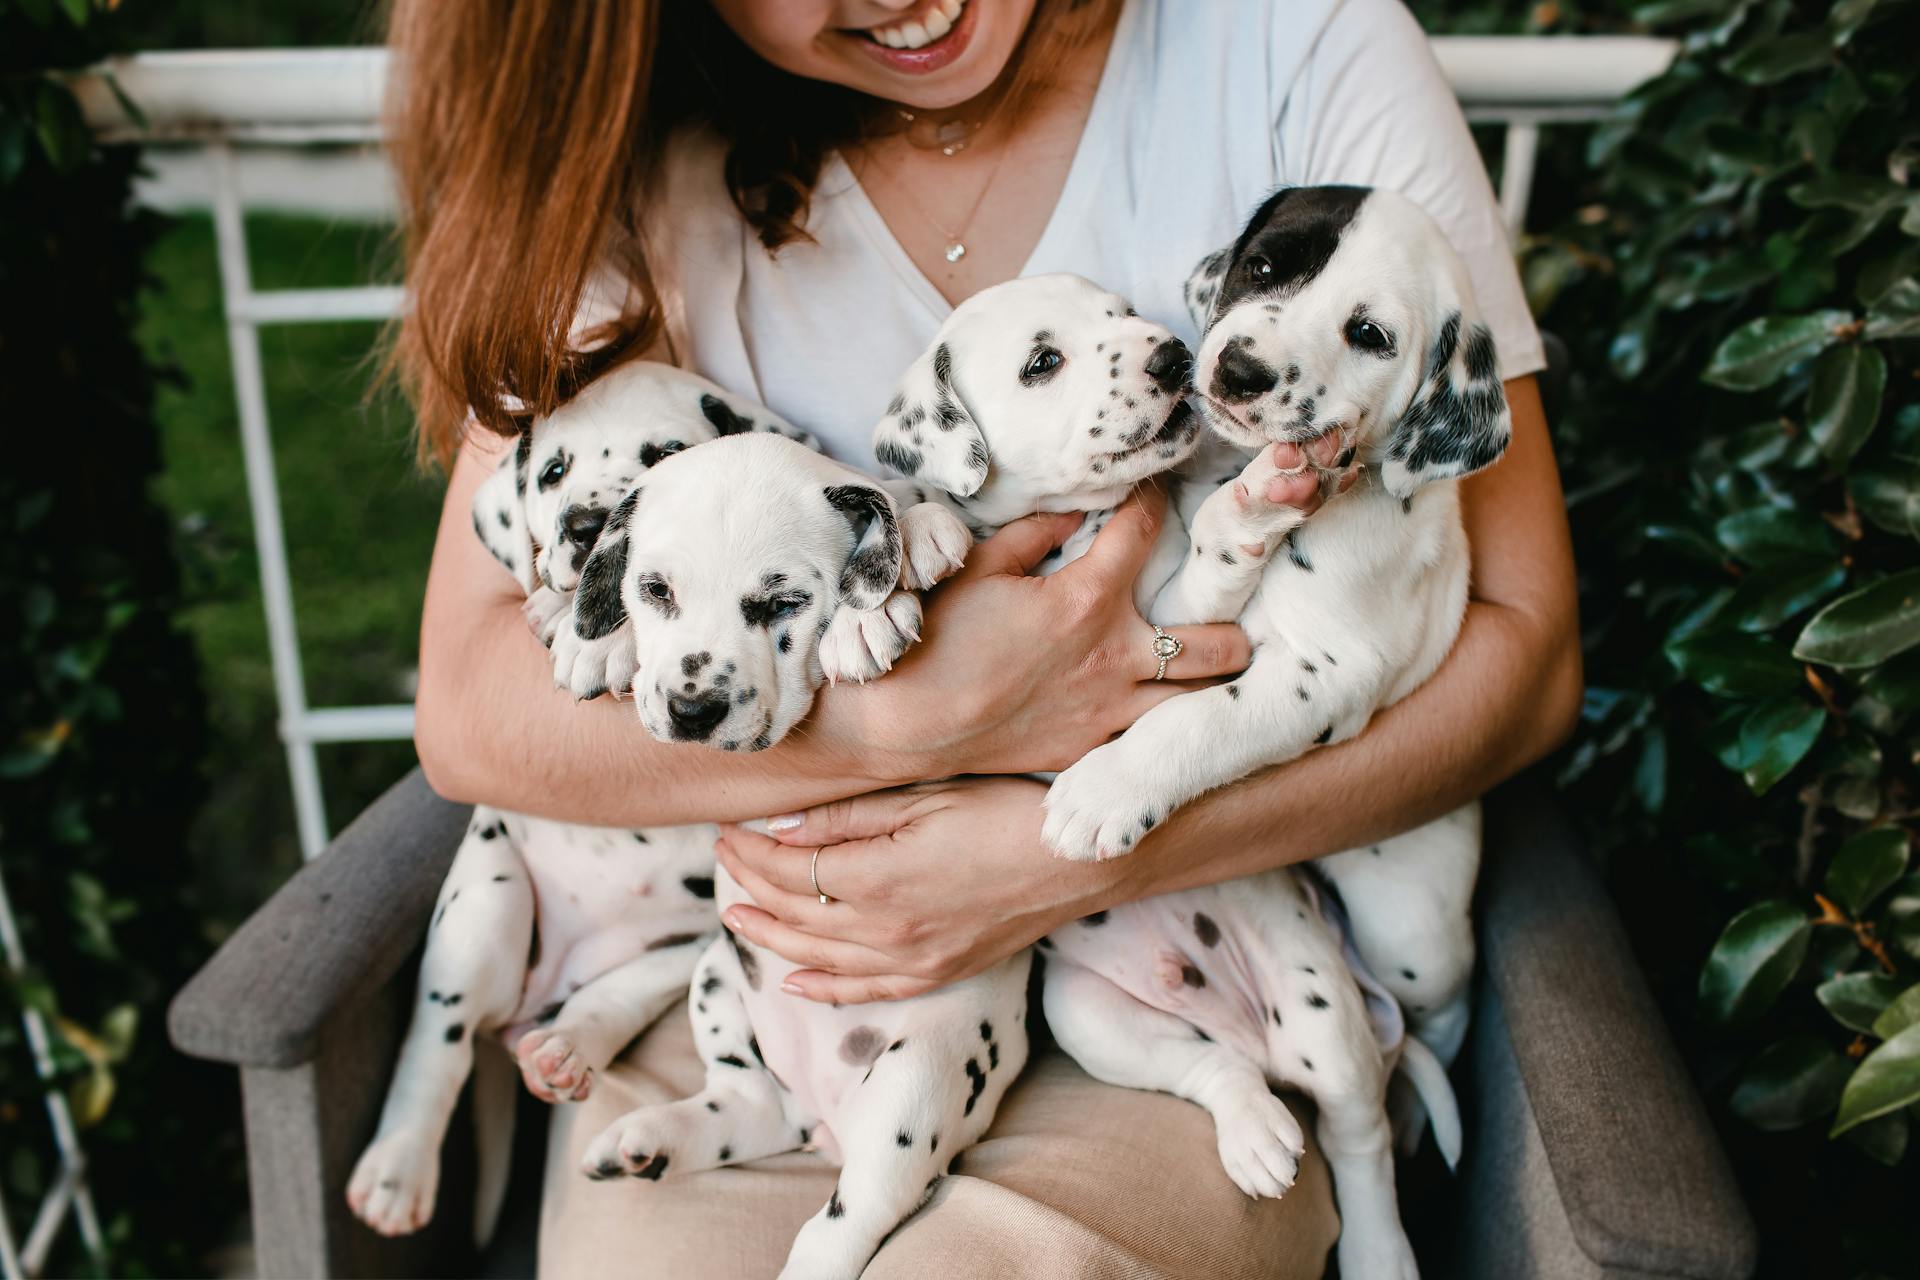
{"x":546,"y":610}
{"x":393,"y":1185}
{"x":630,"y":1147}
{"x":936,"y":544}
{"x":589,"y":668}
{"x":1260,"y":1146}
{"x":863,"y":644}
{"x":1274,"y":494}
{"x":1096,"y":809}
{"x":552,"y":1067}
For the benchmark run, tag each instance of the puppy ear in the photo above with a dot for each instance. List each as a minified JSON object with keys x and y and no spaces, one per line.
{"x":873,"y":569}
{"x":731,"y":415}
{"x":1203,"y":287}
{"x":928,"y":433}
{"x":597,"y":606}
{"x":1458,"y":421}
{"x":499,"y":514}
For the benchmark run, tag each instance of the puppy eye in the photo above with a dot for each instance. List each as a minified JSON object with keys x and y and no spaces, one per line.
{"x":1042,"y":362}
{"x":1258,"y":269}
{"x":554,"y":471}
{"x":653,"y":453}
{"x":658,"y":590}
{"x":1368,"y":336}
{"x":655,"y":591}
{"x":786,"y":606}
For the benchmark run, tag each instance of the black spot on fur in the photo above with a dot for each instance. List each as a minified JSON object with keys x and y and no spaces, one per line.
{"x":749,"y":963}
{"x":698,"y":886}
{"x":1233,"y":691}
{"x":1323,"y":737}
{"x":723,"y":418}
{"x":455,"y":1032}
{"x":1408,"y":975}
{"x":860,"y":1046}
{"x":978,"y":1079}
{"x":1317,"y":1000}
{"x":1205,"y":929}
{"x":874,"y":567}
{"x":1298,"y":556}
{"x":1191,"y":975}
{"x":835,"y":1209}
{"x":674,"y":940}
{"x":986,"y":1030}
{"x":1308,"y":667}
{"x":652,"y":1169}
{"x":896,"y":1046}
{"x":1096,"y":919}
{"x":726,"y":1154}
{"x":732,"y":1060}
{"x":710,"y":983}
{"x":712,"y":1105}
{"x":903,"y":1139}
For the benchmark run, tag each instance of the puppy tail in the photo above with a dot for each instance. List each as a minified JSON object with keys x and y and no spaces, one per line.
{"x":1429,"y":1080}
{"x":495,"y":1093}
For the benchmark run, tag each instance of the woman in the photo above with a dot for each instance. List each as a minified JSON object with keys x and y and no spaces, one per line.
{"x":840,"y":172}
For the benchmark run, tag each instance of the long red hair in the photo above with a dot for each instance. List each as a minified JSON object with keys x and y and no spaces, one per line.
{"x":525,"y":135}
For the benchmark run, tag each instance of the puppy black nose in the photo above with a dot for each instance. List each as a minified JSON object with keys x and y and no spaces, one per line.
{"x":1240,"y":375}
{"x":1169,"y":365}
{"x":583,"y":524}
{"x":695,"y":718}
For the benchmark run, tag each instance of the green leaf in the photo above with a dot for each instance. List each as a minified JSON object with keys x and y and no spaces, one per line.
{"x":1770,"y":535}
{"x":1767,"y":598}
{"x":1865,"y":867}
{"x":1847,"y":17}
{"x":1900,"y":918}
{"x":1756,"y":956}
{"x":77,"y":11}
{"x":1897,"y":313}
{"x":1865,"y":627}
{"x":1856,"y":999}
{"x":1757,"y":353}
{"x":1886,"y":1080}
{"x":1888,"y":494}
{"x":1882,"y":1139}
{"x":1734,"y":664}
{"x":1843,"y":404}
{"x":1791,"y":1083}
{"x":1902,"y":1011}
{"x":63,"y":132}
{"x":1771,"y":61}
{"x":1851,"y":191}
{"x":1773,"y":738}
{"x":1896,"y":683}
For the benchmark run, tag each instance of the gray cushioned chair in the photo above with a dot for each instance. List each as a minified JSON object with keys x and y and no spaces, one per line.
{"x":1587,"y":1151}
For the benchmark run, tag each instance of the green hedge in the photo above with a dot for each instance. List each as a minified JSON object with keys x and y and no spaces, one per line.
{"x":103,"y":725}
{"x":1732,"y":257}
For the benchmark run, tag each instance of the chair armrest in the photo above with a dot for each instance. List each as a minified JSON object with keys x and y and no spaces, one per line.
{"x":330,"y":937}
{"x":1639,"y":1172}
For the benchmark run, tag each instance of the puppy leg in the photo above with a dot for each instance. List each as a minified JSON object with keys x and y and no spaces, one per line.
{"x":470,"y":980}
{"x":559,"y":1060}
{"x":863,"y":644}
{"x":1118,"y":1040}
{"x":935,"y":543}
{"x":927,"y":1097}
{"x":739,"y":1116}
{"x":589,"y":668}
{"x":546,"y":611}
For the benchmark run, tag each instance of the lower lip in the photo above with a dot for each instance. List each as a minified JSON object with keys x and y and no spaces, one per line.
{"x":928,"y":58}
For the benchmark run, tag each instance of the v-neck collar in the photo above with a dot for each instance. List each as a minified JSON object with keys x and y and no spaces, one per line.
{"x":841,"y":178}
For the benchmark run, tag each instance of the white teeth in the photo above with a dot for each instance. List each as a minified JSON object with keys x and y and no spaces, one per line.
{"x":916,"y":35}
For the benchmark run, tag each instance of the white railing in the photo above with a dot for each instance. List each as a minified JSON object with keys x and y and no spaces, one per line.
{"x":236,"y":107}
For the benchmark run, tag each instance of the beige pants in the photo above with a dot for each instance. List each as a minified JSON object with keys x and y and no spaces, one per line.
{"x":1076,"y":1179}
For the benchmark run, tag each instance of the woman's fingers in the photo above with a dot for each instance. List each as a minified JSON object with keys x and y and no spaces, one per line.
{"x":1019,"y":547}
{"x":879,"y":813}
{"x":1118,"y":552}
{"x":832,"y":954}
{"x":1207,"y":650}
{"x":799,"y":907}
{"x":834,"y":988}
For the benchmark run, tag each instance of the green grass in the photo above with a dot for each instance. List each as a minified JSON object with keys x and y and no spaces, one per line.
{"x":359,"y":520}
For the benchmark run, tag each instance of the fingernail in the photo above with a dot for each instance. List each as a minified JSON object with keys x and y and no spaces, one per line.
{"x":792,"y":989}
{"x":730,"y":920}
{"x":784,"y":822}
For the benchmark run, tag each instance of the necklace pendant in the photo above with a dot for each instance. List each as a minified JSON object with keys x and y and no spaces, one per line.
{"x":956,"y":251}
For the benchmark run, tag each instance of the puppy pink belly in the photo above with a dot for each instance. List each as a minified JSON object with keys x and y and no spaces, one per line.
{"x":1155,"y":951}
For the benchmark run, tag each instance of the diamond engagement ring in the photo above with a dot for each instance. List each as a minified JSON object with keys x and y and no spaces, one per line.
{"x":1166,"y":648}
{"x":813,"y":874}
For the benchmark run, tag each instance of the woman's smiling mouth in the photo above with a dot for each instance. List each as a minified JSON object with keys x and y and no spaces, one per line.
{"x":937,"y":34}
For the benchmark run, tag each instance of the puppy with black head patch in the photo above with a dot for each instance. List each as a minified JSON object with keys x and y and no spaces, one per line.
{"x":748,"y":571}
{"x":1213,"y":994}
{"x":1342,"y":322}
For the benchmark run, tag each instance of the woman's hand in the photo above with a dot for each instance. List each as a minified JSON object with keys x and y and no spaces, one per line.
{"x":931,"y":884}
{"x":1019,"y":674}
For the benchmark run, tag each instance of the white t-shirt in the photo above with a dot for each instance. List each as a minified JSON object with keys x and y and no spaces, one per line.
{"x":1203,"y":108}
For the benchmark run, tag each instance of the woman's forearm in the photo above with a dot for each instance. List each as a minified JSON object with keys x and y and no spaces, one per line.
{"x":491,"y":729}
{"x":1507,"y":694}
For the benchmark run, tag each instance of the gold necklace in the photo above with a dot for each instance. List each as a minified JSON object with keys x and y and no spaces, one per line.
{"x":956,"y":247}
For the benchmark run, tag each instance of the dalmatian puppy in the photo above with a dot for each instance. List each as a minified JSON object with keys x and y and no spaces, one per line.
{"x":566,"y":941}
{"x":1214,"y":994}
{"x":542,"y":509}
{"x":743,"y":570}
{"x":1342,"y":313}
